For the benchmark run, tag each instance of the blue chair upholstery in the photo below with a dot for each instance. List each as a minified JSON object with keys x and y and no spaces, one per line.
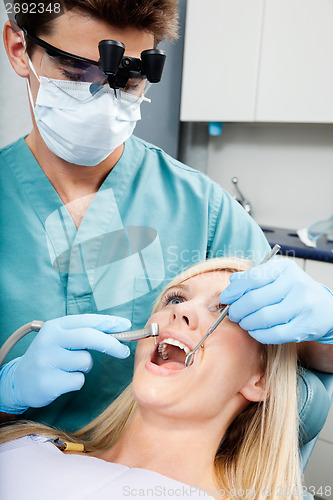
{"x":316,"y":394}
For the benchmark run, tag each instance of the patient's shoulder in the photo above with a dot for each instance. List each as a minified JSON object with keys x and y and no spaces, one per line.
{"x":22,"y":442}
{"x":31,"y":466}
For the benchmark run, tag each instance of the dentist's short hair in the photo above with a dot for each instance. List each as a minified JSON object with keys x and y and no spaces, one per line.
{"x":158,"y":18}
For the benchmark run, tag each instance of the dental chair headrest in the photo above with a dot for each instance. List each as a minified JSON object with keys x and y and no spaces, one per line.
{"x":313,"y":405}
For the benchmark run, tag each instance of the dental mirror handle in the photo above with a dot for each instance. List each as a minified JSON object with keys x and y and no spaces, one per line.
{"x":223,"y":314}
{"x":271,"y":254}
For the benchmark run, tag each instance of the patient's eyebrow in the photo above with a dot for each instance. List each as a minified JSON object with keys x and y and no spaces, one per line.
{"x":184,"y":286}
{"x":181,"y":285}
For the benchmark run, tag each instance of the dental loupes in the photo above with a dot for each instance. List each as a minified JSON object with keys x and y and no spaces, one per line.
{"x":223,"y":314}
{"x":151,"y":330}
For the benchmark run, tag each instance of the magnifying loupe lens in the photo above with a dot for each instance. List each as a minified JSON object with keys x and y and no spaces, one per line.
{"x":61,"y":70}
{"x":66,"y":72}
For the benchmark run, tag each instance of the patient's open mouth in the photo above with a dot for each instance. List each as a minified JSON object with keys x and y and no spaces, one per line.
{"x":170,"y":353}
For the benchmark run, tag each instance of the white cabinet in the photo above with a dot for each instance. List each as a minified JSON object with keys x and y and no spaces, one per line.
{"x":222,"y":41}
{"x":296,"y":71}
{"x":258,"y":60}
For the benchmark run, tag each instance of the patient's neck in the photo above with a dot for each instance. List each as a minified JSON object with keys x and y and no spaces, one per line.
{"x":179,"y":449}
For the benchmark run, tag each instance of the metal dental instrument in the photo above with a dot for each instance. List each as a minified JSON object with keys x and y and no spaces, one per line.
{"x":223,"y":314}
{"x":151,"y":330}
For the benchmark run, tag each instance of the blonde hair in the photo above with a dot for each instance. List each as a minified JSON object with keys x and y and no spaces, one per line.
{"x":258,"y":456}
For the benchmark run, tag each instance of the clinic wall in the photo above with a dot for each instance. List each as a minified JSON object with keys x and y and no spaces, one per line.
{"x":15,"y":118}
{"x":285,"y":170}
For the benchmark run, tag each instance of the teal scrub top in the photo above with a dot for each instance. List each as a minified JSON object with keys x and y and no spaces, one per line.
{"x":151,"y":218}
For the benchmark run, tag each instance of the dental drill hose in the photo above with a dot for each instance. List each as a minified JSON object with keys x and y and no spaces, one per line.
{"x":34,"y":326}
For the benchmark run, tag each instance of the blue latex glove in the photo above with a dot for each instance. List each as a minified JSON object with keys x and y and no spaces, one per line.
{"x":278,"y":302}
{"x":57,"y":359}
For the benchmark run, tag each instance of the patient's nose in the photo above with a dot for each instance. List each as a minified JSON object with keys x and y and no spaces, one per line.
{"x":186,"y":314}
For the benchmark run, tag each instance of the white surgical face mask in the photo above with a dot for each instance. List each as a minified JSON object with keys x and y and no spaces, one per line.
{"x":79,"y":128}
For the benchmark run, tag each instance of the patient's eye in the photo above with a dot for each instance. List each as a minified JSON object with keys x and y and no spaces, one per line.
{"x":216,"y":307}
{"x":173,"y":298}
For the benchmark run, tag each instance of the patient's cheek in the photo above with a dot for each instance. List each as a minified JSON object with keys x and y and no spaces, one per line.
{"x":139,"y":353}
{"x":158,"y":318}
{"x":239,"y":348}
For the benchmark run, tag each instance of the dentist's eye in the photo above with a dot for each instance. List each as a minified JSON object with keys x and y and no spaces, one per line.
{"x":74,"y":77}
{"x":173,"y":298}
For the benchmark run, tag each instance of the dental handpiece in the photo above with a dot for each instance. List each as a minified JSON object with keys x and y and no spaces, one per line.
{"x":223,"y":314}
{"x":151,"y":330}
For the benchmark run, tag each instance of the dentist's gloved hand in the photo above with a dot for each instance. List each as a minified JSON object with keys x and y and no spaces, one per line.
{"x":277,"y":302}
{"x":57,"y":359}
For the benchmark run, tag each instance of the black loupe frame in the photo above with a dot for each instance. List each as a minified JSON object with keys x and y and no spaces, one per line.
{"x":119,"y":68}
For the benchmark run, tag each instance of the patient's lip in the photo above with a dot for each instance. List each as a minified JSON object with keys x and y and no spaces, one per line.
{"x":162,"y":370}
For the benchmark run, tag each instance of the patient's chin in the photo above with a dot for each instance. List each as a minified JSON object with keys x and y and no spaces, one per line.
{"x":150,"y":396}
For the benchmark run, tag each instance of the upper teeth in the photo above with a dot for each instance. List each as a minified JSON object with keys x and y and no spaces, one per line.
{"x":162,"y":348}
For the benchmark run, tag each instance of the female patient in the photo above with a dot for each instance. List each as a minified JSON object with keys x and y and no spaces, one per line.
{"x":227,"y":424}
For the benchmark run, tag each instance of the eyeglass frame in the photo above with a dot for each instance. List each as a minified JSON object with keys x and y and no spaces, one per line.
{"x":54,"y":51}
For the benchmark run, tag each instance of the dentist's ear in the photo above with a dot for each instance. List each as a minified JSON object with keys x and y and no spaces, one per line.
{"x":255,"y":388}
{"x":14,"y":45}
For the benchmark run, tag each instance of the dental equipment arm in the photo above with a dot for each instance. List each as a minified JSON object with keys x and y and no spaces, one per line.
{"x":278,"y":302}
{"x":57,"y":358}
